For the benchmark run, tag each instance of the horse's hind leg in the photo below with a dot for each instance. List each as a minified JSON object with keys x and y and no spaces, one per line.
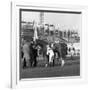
{"x":47,"y":60}
{"x":53,"y":62}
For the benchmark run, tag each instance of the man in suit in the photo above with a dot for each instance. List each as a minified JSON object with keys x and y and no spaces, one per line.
{"x":33,"y":55}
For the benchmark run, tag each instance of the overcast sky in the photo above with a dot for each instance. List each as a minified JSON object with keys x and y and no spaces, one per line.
{"x":64,"y":20}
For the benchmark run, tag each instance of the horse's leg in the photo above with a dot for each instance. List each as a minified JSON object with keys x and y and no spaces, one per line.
{"x":47,"y":60}
{"x":24,"y":63}
{"x":31,"y":62}
{"x":53,"y":61}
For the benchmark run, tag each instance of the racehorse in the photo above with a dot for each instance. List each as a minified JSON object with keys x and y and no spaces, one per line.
{"x":50,"y":54}
{"x":47,"y":54}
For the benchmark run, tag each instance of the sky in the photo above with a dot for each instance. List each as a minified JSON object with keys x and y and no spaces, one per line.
{"x":63,"y":20}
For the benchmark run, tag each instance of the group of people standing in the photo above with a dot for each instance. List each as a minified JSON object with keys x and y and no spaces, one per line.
{"x":29,"y":54}
{"x":30,"y":50}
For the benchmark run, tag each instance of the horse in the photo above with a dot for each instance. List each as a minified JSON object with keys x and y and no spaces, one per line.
{"x":43,"y":44}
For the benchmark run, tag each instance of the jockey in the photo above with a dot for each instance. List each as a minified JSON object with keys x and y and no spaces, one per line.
{"x":50,"y":53}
